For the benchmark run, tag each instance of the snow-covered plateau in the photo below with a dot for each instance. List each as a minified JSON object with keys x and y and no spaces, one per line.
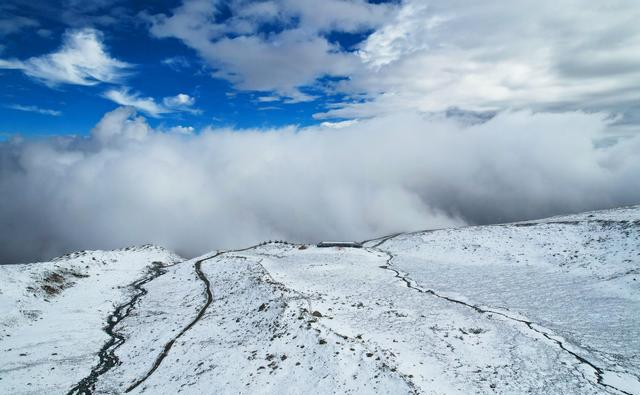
{"x":540,"y":307}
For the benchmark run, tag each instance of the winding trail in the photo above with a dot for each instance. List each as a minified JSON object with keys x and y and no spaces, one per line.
{"x":203,"y":309}
{"x":107,"y":356}
{"x":209,"y":298}
{"x":598,"y":372}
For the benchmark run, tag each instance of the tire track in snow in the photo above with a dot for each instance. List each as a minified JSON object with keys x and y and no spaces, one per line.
{"x":107,"y":356}
{"x":598,"y":372}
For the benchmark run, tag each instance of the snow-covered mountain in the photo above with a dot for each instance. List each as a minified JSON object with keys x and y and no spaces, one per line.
{"x":543,"y":307}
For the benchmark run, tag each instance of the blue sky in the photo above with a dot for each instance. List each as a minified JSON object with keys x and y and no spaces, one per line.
{"x":159,"y":68}
{"x":268,"y":63}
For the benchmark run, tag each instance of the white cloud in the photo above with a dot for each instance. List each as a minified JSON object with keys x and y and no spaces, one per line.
{"x":124,"y":97}
{"x":179,"y":100}
{"x":183,"y":130}
{"x":268,"y":99}
{"x":334,"y":15}
{"x":119,"y":128}
{"x":339,"y":125}
{"x":148,"y":105}
{"x":279,"y":62}
{"x":426,"y":56}
{"x":269,"y":108}
{"x":81,"y":60}
{"x":337,"y":15}
{"x":488,"y":55}
{"x":36,"y":109}
{"x":407,"y":33}
{"x":177,"y":63}
{"x":195,"y":192}
{"x":423,"y":55}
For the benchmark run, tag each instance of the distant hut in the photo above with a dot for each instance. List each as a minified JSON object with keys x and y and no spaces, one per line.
{"x":344,"y":244}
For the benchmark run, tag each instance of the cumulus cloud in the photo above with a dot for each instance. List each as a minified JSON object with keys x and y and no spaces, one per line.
{"x":148,"y":105}
{"x":422,"y":55}
{"x":282,"y":61}
{"x":280,"y":65}
{"x":334,"y":15}
{"x":194,"y":192}
{"x":81,"y":60}
{"x":118,"y":128}
{"x":179,"y":100}
{"x":489,"y":55}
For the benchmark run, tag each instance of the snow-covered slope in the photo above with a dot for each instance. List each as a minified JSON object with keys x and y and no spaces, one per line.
{"x":550,"y":306}
{"x":53,"y":315}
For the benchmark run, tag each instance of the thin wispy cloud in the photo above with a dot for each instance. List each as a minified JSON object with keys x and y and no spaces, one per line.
{"x":36,"y":109}
{"x":125,"y":97}
{"x":177,"y":63}
{"x":15,"y":24}
{"x":268,"y":99}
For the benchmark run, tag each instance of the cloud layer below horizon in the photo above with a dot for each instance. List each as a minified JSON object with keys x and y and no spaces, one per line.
{"x":221,"y":188}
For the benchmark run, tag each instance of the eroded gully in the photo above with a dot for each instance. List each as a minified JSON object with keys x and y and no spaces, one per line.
{"x":107,"y":357}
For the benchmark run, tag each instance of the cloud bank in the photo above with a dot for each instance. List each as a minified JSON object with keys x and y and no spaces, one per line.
{"x":220,"y":188}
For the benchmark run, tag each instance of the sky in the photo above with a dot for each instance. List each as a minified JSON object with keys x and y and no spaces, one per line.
{"x":203,"y":124}
{"x":63,"y":64}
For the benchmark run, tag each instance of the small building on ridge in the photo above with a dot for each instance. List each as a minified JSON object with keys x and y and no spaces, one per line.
{"x":345,"y":244}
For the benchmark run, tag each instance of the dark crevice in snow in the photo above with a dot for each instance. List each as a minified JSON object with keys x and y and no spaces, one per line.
{"x":598,"y":372}
{"x":107,"y":356}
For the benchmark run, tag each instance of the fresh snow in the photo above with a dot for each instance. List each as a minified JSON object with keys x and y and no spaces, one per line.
{"x":544,"y":307}
{"x":49,"y":341}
